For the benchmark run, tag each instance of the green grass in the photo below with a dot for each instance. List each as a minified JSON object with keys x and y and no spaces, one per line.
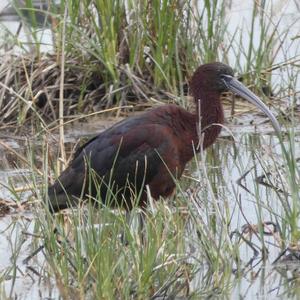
{"x":157,"y":260}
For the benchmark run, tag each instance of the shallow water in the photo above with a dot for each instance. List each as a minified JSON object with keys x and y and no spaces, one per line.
{"x":19,"y":281}
{"x":257,"y":154}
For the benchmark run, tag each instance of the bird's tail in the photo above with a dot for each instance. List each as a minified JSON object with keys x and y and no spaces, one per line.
{"x":58,"y":199}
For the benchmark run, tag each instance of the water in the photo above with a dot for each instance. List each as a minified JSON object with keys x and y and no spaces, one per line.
{"x":15,"y":246}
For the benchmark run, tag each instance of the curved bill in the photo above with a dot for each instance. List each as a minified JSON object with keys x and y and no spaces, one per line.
{"x":237,"y":87}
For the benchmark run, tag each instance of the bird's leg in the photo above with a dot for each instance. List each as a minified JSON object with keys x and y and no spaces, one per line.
{"x":142,"y":225}
{"x":124,"y":240}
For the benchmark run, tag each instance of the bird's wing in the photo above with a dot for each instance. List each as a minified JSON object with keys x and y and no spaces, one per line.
{"x":136,"y":155}
{"x":111,"y":133}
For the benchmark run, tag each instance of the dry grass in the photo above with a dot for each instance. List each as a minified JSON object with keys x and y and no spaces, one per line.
{"x":30,"y":89}
{"x":37,"y":81}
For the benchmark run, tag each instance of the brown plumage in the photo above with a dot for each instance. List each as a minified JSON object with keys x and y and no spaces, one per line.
{"x":149,"y":149}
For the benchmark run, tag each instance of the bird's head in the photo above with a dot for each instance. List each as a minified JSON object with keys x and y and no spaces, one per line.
{"x":210,"y":77}
{"x":218,"y":78}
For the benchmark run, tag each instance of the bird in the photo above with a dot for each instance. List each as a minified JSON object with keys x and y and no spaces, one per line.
{"x":148,"y":152}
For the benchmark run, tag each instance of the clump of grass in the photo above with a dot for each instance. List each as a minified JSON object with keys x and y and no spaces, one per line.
{"x":31,"y":88}
{"x":101,"y":255}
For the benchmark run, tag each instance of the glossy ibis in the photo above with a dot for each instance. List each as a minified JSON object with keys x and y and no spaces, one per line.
{"x":149,"y":149}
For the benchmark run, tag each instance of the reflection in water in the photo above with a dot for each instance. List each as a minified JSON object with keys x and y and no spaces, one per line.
{"x":253,"y":209}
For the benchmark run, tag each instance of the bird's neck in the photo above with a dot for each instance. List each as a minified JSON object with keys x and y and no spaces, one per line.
{"x":210,"y":116}
{"x":202,"y":127}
